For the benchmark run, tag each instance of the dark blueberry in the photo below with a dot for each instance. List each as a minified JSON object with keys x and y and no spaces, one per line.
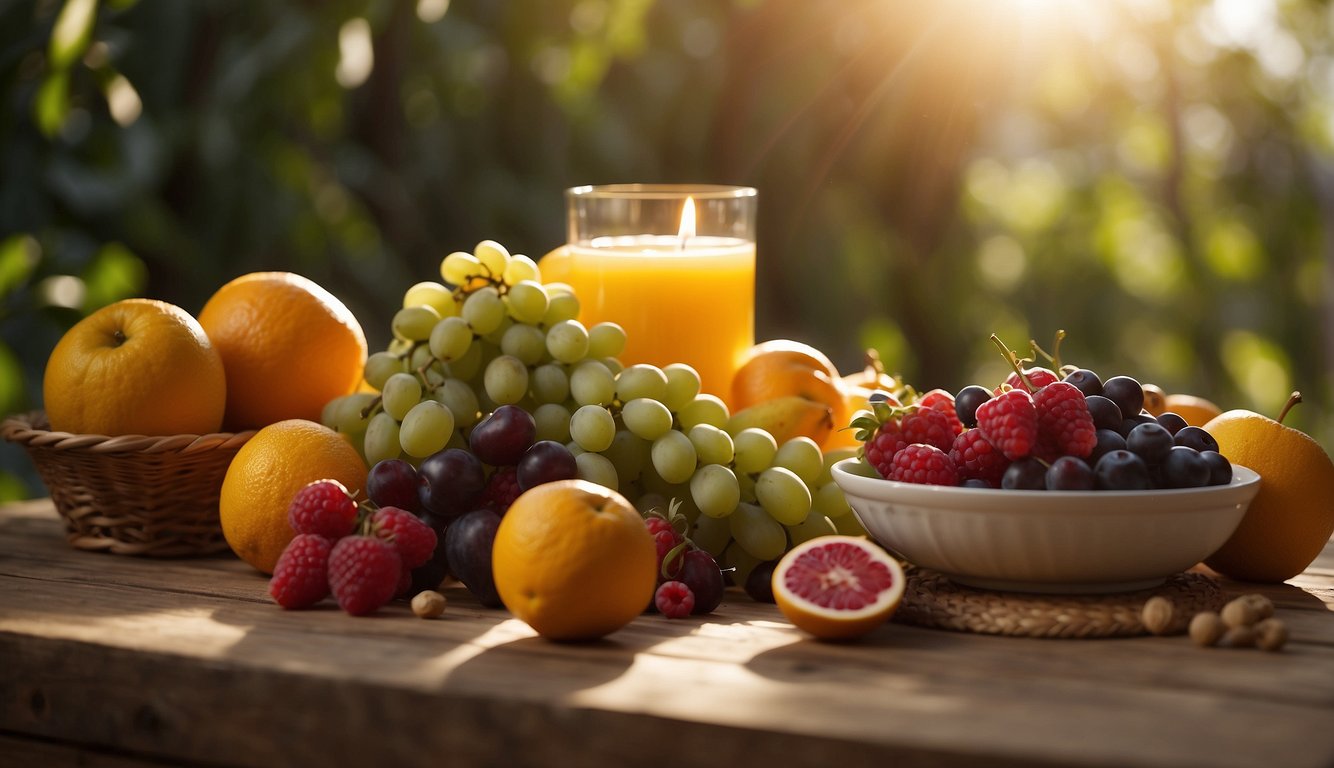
{"x":1150,"y":442}
{"x":879,"y":396}
{"x":1026,"y":474}
{"x":1108,"y":440}
{"x":1194,"y":437}
{"x":1126,"y":393}
{"x":1122,"y":471}
{"x":1135,"y":421}
{"x":1105,"y":413}
{"x":967,"y":402}
{"x":976,"y":482}
{"x":1185,"y":468}
{"x":1069,"y":473}
{"x":1173,"y":422}
{"x":1085,"y":381}
{"x":1220,"y":469}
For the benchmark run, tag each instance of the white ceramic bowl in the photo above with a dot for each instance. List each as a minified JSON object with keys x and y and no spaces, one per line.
{"x":1047,"y":541}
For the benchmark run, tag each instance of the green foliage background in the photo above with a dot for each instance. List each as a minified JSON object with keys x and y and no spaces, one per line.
{"x":1152,"y":176}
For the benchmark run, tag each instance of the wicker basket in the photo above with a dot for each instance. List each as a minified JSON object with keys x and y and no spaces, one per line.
{"x":133,"y":494}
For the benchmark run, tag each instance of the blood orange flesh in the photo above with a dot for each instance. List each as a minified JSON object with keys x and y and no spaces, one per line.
{"x":837,"y":587}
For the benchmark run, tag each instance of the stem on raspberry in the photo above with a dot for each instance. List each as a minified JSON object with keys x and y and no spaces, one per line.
{"x":1013,"y":360}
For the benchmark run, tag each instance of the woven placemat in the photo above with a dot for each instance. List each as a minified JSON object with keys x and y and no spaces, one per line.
{"x":932,"y":600}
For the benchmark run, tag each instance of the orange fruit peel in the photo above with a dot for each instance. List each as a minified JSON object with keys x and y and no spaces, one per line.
{"x":838,"y":587}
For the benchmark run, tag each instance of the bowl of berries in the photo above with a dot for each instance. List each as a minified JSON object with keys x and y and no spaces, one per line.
{"x":1044,"y":484}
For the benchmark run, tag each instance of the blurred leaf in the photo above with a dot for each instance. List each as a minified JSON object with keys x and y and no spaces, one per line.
{"x":19,"y":254}
{"x":114,"y":274}
{"x":72,"y":33}
{"x":12,"y":396}
{"x":52,"y":103}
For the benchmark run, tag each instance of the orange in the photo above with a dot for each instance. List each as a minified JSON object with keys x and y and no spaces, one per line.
{"x":781,"y":368}
{"x":136,"y":367}
{"x":1197,"y":411}
{"x":837,"y":587}
{"x":288,"y":347}
{"x":1292,"y":515}
{"x":574,"y":560}
{"x":267,"y":472}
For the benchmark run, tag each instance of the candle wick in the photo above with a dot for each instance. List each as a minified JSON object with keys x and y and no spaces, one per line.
{"x":681,"y":242}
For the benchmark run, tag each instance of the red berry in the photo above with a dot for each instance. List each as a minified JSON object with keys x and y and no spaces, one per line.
{"x":404,"y":582}
{"x":501,"y":490}
{"x":323,"y":507}
{"x":1010,"y":422}
{"x":414,"y":540}
{"x":880,"y":450}
{"x":674,"y":600}
{"x":665,"y":542}
{"x":930,"y":426}
{"x":943,"y":401}
{"x":1038,"y":377}
{"x":301,"y":577}
{"x":1064,"y":422}
{"x":975,"y":458}
{"x":364,"y":572}
{"x":657,"y":524}
{"x":924,"y":464}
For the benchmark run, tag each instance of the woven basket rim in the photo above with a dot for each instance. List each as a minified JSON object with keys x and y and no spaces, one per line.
{"x":30,"y":430}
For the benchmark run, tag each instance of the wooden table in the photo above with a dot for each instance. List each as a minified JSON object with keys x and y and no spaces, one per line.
{"x":113,"y":661}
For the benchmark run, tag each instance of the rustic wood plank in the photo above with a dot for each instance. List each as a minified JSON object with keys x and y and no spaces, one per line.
{"x":185,"y":659}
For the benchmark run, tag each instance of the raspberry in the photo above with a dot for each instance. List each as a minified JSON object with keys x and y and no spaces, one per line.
{"x":1064,"y":422}
{"x":1039,"y":377}
{"x":880,"y":450}
{"x":301,"y":577}
{"x":501,"y":490}
{"x":414,"y":540}
{"x":364,"y":572}
{"x":943,"y":401}
{"x":657,"y":524}
{"x":674,"y":600}
{"x":323,"y":507}
{"x":925,"y":424}
{"x":665,"y":542}
{"x":924,"y":464}
{"x":1010,"y":422}
{"x":404,"y":582}
{"x":977,"y":459}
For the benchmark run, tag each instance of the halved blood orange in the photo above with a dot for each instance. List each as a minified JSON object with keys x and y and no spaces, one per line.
{"x":838,"y":587}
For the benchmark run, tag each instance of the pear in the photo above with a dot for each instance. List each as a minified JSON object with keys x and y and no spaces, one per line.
{"x":785,"y":418}
{"x":1292,"y":516}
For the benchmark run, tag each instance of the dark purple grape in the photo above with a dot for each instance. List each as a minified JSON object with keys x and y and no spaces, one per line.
{"x":1105,"y":413}
{"x":393,"y":483}
{"x":1069,"y":473}
{"x":430,"y":574}
{"x":701,"y":573}
{"x":468,"y":550}
{"x":878,"y":396}
{"x":1108,"y":440}
{"x":501,"y":438}
{"x":1134,"y":421}
{"x":976,"y":482}
{"x":1220,"y":469}
{"x":1085,"y":381}
{"x":1126,"y":393}
{"x":449,"y":482}
{"x":1150,"y":441}
{"x":759,"y":582}
{"x":1122,"y":471}
{"x":1026,"y":474}
{"x":1185,"y":468}
{"x":967,"y":402}
{"x":545,"y":462}
{"x":1172,"y":422}
{"x":1195,"y":437}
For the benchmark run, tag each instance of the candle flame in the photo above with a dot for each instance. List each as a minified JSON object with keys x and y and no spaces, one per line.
{"x":687,"y":229}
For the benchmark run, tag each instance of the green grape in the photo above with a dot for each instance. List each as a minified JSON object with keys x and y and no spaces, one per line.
{"x":783,"y":495}
{"x":467,"y":366}
{"x":736,"y":561}
{"x":520,"y":268}
{"x":556,"y":288}
{"x":596,"y":468}
{"x":460,"y":267}
{"x":494,"y":256}
{"x":433,"y":295}
{"x":704,"y":409}
{"x":802,"y":455}
{"x":421,"y":358}
{"x":711,"y":534}
{"x":550,"y":383}
{"x":567,"y":341}
{"x":380,"y":366}
{"x":526,"y":342}
{"x":553,"y":422}
{"x":344,"y":413}
{"x":828,"y":500}
{"x":648,"y":418}
{"x":497,"y":334}
{"x":574,"y":448}
{"x":755,"y":450}
{"x":682,"y":386}
{"x":849,"y":525}
{"x":593,"y":427}
{"x":673,"y":456}
{"x":628,"y":453}
{"x":426,"y":429}
{"x":561,"y":306}
{"x":381,"y":440}
{"x":414,"y":323}
{"x":831,"y":458}
{"x":461,"y":400}
{"x":527,"y":301}
{"x":484,"y":310}
{"x":641,"y":381}
{"x":606,"y":339}
{"x":506,"y":380}
{"x":401,"y":392}
{"x":715,"y":490}
{"x":763,"y":537}
{"x":592,"y":384}
{"x":450,"y":339}
{"x":613,"y":364}
{"x":651,"y":502}
{"x":747,"y":482}
{"x":713,"y":445}
{"x":813,"y":526}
